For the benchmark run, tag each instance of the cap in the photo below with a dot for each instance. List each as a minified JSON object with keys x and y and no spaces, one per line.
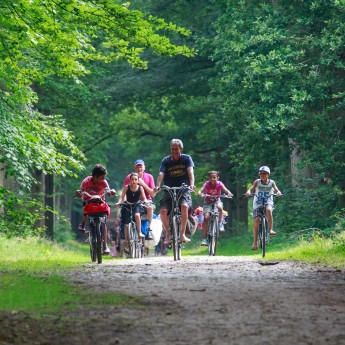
{"x":265,"y":169}
{"x":139,"y":161}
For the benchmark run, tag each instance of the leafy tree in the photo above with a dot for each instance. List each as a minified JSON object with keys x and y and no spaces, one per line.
{"x":280,"y":66}
{"x":43,"y":38}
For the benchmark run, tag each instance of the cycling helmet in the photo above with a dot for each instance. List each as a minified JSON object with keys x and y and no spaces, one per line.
{"x":265,"y":169}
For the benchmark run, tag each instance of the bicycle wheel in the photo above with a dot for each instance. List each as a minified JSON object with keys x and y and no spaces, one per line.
{"x":142,"y":247}
{"x":176,"y":239}
{"x":263,"y":238}
{"x":131,"y":240}
{"x":213,"y":236}
{"x":92,"y":242}
{"x":98,"y":240}
{"x":210,"y":237}
{"x":138,"y":247}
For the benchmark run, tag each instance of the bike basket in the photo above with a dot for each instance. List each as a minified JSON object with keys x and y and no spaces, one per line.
{"x":95,"y":207}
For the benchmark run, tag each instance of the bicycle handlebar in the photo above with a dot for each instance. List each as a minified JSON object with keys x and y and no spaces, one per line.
{"x":251,"y":195}
{"x":183,"y":186}
{"x":126,"y":203}
{"x":216,"y":196}
{"x":79,"y":194}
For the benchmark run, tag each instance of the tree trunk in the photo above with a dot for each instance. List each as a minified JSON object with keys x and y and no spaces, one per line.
{"x":49,"y":202}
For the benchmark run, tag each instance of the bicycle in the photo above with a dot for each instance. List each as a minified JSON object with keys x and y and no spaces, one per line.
{"x":263,"y":231}
{"x":136,"y":243}
{"x":175,"y":217}
{"x":213,"y":224}
{"x":97,"y":211}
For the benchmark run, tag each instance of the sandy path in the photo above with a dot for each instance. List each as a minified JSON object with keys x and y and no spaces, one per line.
{"x":206,"y":300}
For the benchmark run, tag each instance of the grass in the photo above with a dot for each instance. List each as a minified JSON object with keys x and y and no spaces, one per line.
{"x":31,"y":277}
{"x":315,"y":250}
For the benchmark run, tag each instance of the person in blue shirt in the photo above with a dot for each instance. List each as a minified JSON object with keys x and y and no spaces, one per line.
{"x":176,"y":169}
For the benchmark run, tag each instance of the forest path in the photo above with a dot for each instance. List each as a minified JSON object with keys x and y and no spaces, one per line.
{"x":204,"y":300}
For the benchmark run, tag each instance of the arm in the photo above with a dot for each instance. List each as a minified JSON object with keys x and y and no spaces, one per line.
{"x":190,"y":172}
{"x":149,"y":188}
{"x":226,"y":191}
{"x":159,"y":180}
{"x":276,"y":190}
{"x":143,"y":196}
{"x":252,"y":188}
{"x":123,"y":196}
{"x":201,"y":191}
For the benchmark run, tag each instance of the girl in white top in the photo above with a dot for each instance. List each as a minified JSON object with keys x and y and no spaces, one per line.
{"x":263,"y":188}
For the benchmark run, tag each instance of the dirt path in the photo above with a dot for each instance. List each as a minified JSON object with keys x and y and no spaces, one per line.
{"x":205,"y":300}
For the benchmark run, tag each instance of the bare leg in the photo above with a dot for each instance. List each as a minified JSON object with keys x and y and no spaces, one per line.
{"x":138,"y":223}
{"x":255,"y":233}
{"x":126,"y":237}
{"x":270,"y":221}
{"x":165,"y":221}
{"x":184,"y":218}
{"x":149,"y":213}
{"x":205,"y":224}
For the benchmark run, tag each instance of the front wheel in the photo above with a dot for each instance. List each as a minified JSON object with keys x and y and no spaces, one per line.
{"x":176,"y":238}
{"x":92,"y":242}
{"x":213,"y":236}
{"x":131,"y":240}
{"x":98,"y":240}
{"x":264,"y":239}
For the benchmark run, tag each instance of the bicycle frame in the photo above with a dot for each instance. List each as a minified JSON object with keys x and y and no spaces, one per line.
{"x":136,"y":244}
{"x":263,"y":232}
{"x":175,"y":194}
{"x":213,"y":224}
{"x":96,"y":221}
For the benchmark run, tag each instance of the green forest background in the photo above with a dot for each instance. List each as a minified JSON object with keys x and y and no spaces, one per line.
{"x":241,"y":83}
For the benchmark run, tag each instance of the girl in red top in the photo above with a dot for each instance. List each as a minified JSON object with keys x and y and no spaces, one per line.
{"x":212,"y":187}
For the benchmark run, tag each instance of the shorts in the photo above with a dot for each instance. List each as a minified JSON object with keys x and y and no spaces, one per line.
{"x":166,"y":204}
{"x":208,"y":206}
{"x":126,"y":213}
{"x":257,"y":211}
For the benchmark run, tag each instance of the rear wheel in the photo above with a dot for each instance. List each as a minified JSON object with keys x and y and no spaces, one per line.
{"x":98,"y":240}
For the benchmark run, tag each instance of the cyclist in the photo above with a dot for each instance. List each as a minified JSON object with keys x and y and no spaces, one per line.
{"x":132,"y":193}
{"x":176,"y":169}
{"x":92,"y":187}
{"x":262,"y":188}
{"x":212,"y":187}
{"x":146,"y":180}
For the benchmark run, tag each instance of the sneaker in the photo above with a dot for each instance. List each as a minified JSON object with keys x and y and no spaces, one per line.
{"x":149,"y":236}
{"x":106,"y":250}
{"x":204,"y":242}
{"x":221,"y":227}
{"x":141,"y":234}
{"x":81,"y":227}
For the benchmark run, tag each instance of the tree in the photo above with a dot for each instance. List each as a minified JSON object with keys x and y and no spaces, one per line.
{"x":42,"y":38}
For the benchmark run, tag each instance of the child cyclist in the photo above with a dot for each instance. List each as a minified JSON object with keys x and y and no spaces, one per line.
{"x":212,"y":187}
{"x":132,"y":193}
{"x":92,"y":187}
{"x":263,"y":188}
